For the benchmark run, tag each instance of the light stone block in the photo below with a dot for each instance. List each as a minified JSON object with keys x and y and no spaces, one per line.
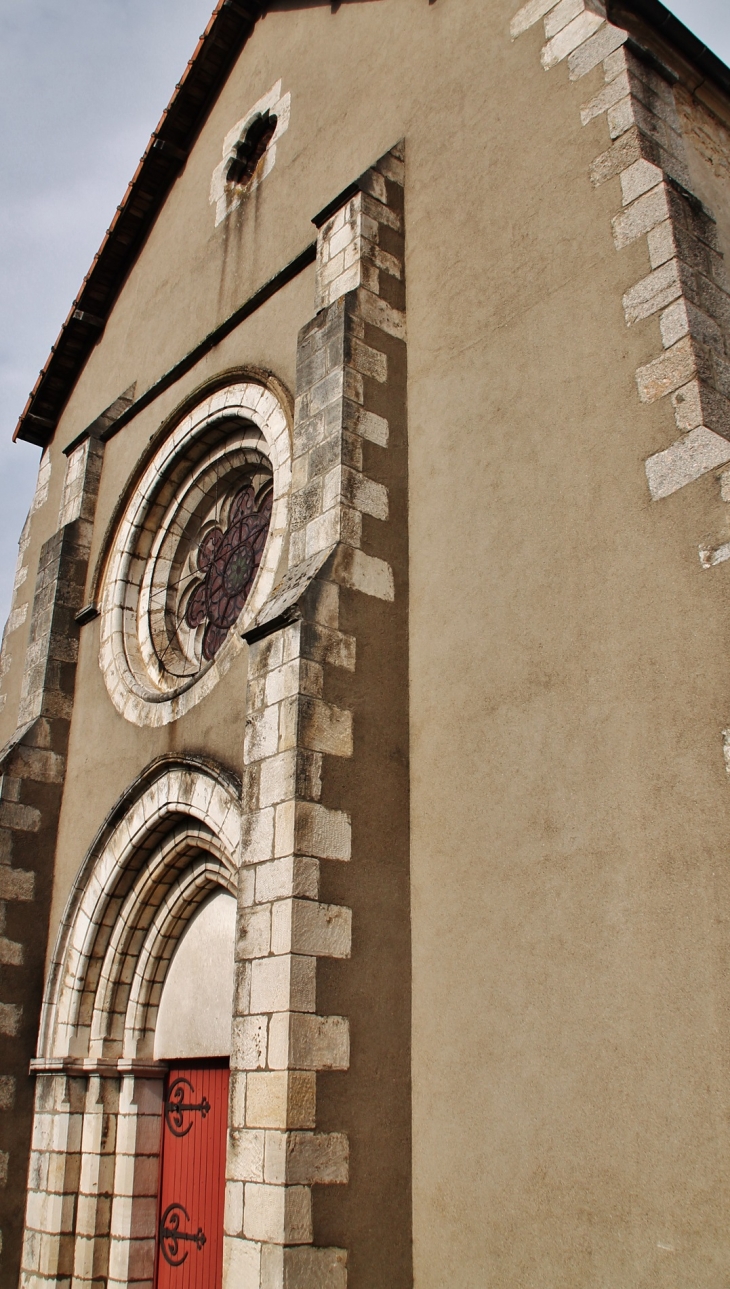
{"x":49,"y":1248}
{"x":324,"y":728}
{"x":282,"y":1099}
{"x":245,"y":1156}
{"x":83,"y":1260}
{"x":343,"y":485}
{"x":257,"y":836}
{"x":265,"y":655}
{"x":275,"y":1158}
{"x":333,"y":647}
{"x":605,"y":98}
{"x":86,"y":1216}
{"x":347,"y":281}
{"x":641,"y":216}
{"x":686,"y":460}
{"x":370,"y":426}
{"x":594,"y":50}
{"x":674,"y":368}
{"x":283,"y":682}
{"x":262,"y":734}
{"x":285,"y":828}
{"x":278,"y":1214}
{"x":307,"y":1268}
{"x":662,"y":245}
{"x":321,"y":1158}
{"x":248,"y":1042}
{"x":278,"y":778}
{"x":254,"y":932}
{"x":283,"y":983}
{"x":323,"y":833}
{"x":621,"y":116}
{"x":322,"y":532}
{"x":272,"y":1266}
{"x":288,"y":723}
{"x":121,"y":1219}
{"x":687,"y":404}
{"x":291,"y":876}
{"x":335,"y":264}
{"x":237,"y":1099}
{"x":241,"y":1264}
{"x":561,"y":15}
{"x":302,"y":1042}
{"x":341,"y":238}
{"x":381,"y":314}
{"x":50,"y":1213}
{"x":305,"y":927}
{"x":638,"y":178}
{"x":529,"y":14}
{"x":674,"y":323}
{"x":683,"y":319}
{"x":571,"y":36}
{"x":368,"y":361}
{"x":364,"y":573}
{"x":124,"y":1166}
{"x":652,"y":293}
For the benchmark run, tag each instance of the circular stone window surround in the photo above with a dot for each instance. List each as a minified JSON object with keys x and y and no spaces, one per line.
{"x":153,"y":520}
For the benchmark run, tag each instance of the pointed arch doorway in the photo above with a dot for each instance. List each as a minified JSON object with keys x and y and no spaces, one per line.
{"x":139,"y":991}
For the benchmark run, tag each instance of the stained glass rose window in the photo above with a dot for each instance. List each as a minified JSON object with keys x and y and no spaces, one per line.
{"x":228,"y":561}
{"x":195,"y":552}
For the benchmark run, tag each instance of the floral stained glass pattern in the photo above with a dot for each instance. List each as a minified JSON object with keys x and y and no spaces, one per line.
{"x":228,"y":562}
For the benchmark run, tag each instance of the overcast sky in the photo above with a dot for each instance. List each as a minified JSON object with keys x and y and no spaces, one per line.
{"x":82,"y":85}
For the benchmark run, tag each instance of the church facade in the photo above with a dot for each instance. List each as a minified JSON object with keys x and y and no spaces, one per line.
{"x":364,"y":808}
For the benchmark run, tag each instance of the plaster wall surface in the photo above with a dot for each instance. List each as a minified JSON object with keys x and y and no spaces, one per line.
{"x":568,"y":654}
{"x":194,"y":1019}
{"x":106,"y":751}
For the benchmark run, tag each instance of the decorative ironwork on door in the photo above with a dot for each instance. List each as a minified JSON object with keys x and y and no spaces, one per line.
{"x":176,"y":1107}
{"x":192,"y":1178}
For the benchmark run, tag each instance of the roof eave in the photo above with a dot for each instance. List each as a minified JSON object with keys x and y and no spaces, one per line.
{"x":229,"y":28}
{"x":651,"y":17}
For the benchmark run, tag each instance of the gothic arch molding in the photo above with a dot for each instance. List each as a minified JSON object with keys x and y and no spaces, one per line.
{"x":169,"y":843}
{"x":206,"y":389}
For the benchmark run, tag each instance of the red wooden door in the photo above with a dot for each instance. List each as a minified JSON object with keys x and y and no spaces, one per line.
{"x":192,"y":1177}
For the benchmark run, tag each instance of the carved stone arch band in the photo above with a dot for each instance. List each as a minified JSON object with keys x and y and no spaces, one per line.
{"x":167,"y":854}
{"x":195,"y":552}
{"x":150,"y":869}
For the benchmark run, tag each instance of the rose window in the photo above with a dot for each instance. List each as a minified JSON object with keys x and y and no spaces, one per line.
{"x":204,"y":559}
{"x":228,"y":562}
{"x":196,"y":552}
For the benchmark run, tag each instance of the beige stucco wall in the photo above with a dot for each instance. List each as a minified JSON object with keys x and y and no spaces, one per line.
{"x":106,"y":751}
{"x":568,"y":654}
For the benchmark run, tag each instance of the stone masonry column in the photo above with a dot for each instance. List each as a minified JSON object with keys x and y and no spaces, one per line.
{"x":32,"y":772}
{"x":318,"y":1167}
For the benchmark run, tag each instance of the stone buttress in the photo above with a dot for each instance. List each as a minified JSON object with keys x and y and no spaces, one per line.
{"x":318,"y":1170}
{"x":687,"y":290}
{"x":32,"y":774}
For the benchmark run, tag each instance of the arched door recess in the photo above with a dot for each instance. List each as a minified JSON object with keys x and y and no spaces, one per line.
{"x":194,"y":1019}
{"x":166,"y":857}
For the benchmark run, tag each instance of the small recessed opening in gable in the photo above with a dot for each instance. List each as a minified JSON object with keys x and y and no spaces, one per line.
{"x":251,"y":149}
